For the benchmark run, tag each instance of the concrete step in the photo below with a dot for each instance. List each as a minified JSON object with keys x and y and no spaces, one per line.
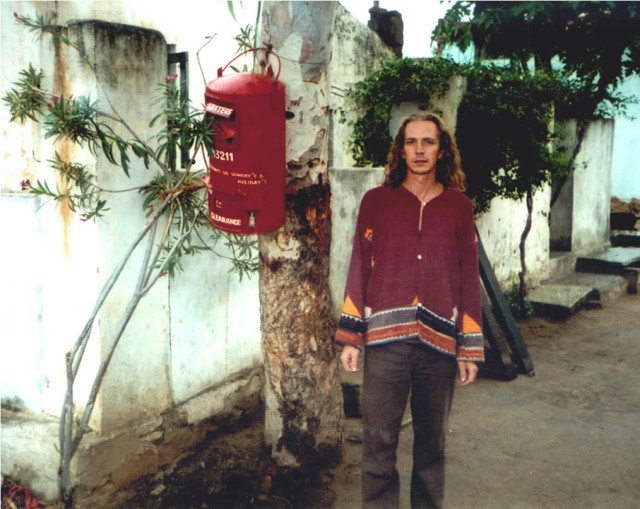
{"x":559,"y":301}
{"x":625,"y":238}
{"x":561,"y":262}
{"x":620,"y":261}
{"x":614,"y":258}
{"x":605,"y":287}
{"x":597,"y":279}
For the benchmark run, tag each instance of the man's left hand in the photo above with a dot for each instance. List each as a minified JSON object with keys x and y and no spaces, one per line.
{"x":467,"y":372}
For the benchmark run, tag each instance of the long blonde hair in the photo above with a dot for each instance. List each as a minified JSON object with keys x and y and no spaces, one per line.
{"x":448,"y":168}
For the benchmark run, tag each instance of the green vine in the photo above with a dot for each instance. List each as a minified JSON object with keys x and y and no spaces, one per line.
{"x":397,"y":81}
{"x":502,"y":125}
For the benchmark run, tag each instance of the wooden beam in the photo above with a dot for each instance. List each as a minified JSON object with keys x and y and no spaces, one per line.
{"x":500,"y":310}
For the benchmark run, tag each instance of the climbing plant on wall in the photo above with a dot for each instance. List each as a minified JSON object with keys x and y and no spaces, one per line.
{"x":503,"y":121}
{"x":397,"y":81}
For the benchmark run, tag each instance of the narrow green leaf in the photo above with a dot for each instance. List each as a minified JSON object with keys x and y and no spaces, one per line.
{"x":232,"y":10}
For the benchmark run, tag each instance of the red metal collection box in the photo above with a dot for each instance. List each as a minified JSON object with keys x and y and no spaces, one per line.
{"x":247,"y":165}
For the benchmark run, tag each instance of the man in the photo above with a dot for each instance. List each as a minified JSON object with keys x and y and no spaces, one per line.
{"x":412,"y":299}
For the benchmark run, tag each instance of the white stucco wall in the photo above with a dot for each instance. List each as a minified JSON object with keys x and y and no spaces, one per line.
{"x":189,"y":340}
{"x":348,"y":186}
{"x":215,"y":325}
{"x":47,"y":247}
{"x":500,"y":230}
{"x":592,"y":189}
{"x":626,"y":146}
{"x":352,"y":40}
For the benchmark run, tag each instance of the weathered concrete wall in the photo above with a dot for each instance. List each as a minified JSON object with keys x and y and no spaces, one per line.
{"x":352,"y":41}
{"x":50,"y":256}
{"x":592,"y":189}
{"x":561,"y":214}
{"x":75,"y":249}
{"x":30,"y":451}
{"x":151,"y":448}
{"x":190,"y":347}
{"x":348,"y":186}
{"x":500,"y":230}
{"x":626,"y":140}
{"x":134,"y":59}
{"x":580,"y":216}
{"x":215,"y":325}
{"x":357,"y":51}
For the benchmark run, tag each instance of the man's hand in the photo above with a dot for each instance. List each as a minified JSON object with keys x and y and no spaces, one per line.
{"x":349,"y":358}
{"x":467,"y":372}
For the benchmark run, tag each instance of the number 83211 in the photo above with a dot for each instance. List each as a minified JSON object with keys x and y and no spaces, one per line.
{"x":223,"y":155}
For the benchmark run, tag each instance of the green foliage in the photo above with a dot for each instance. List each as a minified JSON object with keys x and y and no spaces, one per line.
{"x":397,"y":81}
{"x":42,"y":25}
{"x":503,"y":120}
{"x":504,"y":135}
{"x":182,"y":126}
{"x":78,"y":189}
{"x":177,"y":191}
{"x":26,"y":99}
{"x":231,"y":7}
{"x":450,"y":28}
{"x":246,"y":39}
{"x":597,"y":42}
{"x":520,"y":308}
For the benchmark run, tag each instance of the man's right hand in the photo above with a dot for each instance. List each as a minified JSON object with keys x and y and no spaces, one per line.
{"x":349,"y":358}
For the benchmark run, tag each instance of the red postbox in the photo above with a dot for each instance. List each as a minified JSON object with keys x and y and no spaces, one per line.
{"x":247,"y":164}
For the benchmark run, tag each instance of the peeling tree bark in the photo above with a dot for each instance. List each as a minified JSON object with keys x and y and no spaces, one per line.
{"x":302,"y":391}
{"x":304,"y":416}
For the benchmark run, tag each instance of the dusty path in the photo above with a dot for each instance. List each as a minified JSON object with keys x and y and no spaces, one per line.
{"x":566,"y":438}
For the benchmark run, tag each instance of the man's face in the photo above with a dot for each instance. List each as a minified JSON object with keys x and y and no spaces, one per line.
{"x":421,"y":148}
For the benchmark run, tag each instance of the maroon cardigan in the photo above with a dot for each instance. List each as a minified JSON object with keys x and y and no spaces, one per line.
{"x":414,"y":274}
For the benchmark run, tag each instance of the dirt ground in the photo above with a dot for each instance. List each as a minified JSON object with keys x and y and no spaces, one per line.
{"x":566,"y":438}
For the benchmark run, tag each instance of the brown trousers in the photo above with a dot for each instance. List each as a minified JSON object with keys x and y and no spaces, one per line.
{"x":391,"y":372}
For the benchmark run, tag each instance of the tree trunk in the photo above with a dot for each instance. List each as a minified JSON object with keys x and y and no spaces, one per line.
{"x":302,"y":392}
{"x":304,"y":415}
{"x":522,"y":290}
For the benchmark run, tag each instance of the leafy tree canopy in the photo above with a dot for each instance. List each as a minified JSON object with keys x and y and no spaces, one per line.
{"x":599,"y":42}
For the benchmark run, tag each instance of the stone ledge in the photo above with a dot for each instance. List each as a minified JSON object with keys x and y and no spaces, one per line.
{"x":560,"y":301}
{"x":625,"y":238}
{"x":608,"y":287}
{"x":622,"y":261}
